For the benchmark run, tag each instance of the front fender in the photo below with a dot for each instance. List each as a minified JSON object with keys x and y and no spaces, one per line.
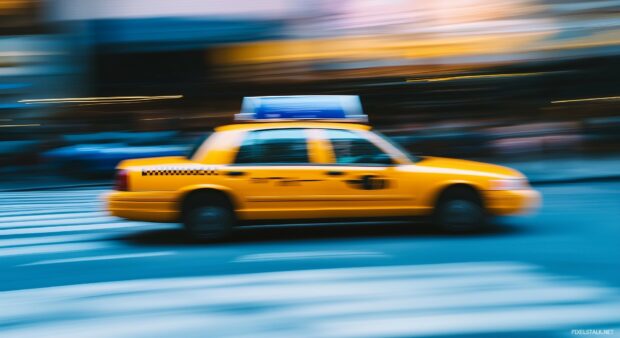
{"x":429,"y":198}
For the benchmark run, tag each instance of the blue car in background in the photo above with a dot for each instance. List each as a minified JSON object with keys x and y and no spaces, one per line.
{"x":96,"y":155}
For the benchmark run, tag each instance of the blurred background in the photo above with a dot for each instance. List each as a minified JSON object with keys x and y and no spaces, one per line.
{"x":532,"y":84}
{"x":84,"y":84}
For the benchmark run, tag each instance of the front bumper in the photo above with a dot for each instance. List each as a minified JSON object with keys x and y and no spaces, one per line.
{"x":151,"y":206}
{"x":512,"y":202}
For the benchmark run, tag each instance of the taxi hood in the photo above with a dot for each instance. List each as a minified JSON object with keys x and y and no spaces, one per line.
{"x":465,"y":165}
{"x":141,"y":162}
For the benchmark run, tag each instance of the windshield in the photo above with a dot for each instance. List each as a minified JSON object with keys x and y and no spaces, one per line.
{"x":413,"y":158}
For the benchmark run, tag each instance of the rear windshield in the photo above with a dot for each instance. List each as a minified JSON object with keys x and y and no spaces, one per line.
{"x":196,"y":144}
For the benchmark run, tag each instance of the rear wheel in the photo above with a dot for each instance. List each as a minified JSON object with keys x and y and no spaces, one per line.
{"x":460,"y":210}
{"x":208,"y":217}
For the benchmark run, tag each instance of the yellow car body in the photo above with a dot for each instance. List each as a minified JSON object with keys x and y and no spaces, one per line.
{"x":320,"y":186}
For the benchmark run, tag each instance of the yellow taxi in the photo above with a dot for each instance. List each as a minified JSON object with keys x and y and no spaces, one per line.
{"x":311,"y":158}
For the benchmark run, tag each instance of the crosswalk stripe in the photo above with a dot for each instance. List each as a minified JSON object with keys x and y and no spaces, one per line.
{"x":67,"y":211}
{"x":51,"y":248}
{"x":52,"y":239}
{"x":52,"y":216}
{"x":283,"y":256}
{"x":100,"y":258}
{"x":481,"y":321}
{"x":58,"y":194}
{"x":36,"y":195}
{"x":71,"y":192}
{"x":49,"y":200}
{"x":49,"y":222}
{"x":72,"y":228}
{"x":59,"y":221}
{"x":35,"y":240}
{"x":48,"y":205}
{"x":395,"y":301}
{"x":474,"y":298}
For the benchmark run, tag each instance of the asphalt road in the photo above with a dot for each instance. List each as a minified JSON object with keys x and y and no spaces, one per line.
{"x":69,"y":270}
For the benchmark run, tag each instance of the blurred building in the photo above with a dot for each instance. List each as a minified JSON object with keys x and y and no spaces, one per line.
{"x":466,"y":64}
{"x":33,"y":63}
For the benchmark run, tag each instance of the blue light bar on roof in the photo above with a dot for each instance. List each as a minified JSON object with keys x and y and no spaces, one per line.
{"x":306,"y":107}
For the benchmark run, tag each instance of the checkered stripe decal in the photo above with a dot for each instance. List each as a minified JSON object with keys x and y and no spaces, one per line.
{"x":207,"y":171}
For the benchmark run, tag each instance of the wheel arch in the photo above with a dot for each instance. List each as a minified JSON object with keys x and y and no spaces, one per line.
{"x":188,"y":192}
{"x":451,"y":186}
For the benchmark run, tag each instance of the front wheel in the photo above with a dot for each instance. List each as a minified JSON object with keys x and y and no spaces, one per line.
{"x":208,"y":219}
{"x":460,"y":210}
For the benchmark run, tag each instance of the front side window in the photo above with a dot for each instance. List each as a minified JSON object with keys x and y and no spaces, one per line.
{"x":274,"y":146}
{"x":352,"y":148}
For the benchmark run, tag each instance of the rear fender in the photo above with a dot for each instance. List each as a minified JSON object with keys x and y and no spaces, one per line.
{"x":183,"y":192}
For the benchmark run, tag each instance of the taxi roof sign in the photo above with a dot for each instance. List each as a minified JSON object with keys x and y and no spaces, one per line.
{"x":302,"y":107}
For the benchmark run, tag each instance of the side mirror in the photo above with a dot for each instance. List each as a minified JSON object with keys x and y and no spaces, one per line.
{"x":382,"y":159}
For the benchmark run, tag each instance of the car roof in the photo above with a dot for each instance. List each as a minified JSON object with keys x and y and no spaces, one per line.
{"x":292,"y":124}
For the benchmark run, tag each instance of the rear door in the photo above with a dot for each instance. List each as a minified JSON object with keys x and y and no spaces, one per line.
{"x":274,"y":175}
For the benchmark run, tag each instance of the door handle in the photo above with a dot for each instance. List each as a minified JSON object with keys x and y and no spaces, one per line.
{"x":235,"y":173}
{"x":334,"y":173}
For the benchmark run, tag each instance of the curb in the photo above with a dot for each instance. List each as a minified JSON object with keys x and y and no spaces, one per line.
{"x":576,"y":180}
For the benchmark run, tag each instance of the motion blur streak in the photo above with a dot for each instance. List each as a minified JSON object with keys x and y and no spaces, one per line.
{"x":102,"y":99}
{"x":418,"y":300}
{"x":530,"y":84}
{"x":588,"y":99}
{"x":20,"y":125}
{"x":439,"y":79}
{"x":98,"y":258}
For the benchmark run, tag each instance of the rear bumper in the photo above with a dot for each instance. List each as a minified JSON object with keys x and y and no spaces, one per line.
{"x":512,"y":202}
{"x":151,"y":206}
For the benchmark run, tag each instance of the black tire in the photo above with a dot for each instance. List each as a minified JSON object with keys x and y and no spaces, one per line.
{"x":460,"y":210}
{"x":208,"y":217}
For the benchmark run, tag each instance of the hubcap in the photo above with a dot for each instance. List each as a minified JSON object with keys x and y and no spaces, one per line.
{"x":209,"y":221}
{"x":461,"y":213}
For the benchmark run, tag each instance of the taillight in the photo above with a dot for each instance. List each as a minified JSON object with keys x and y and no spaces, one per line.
{"x":121,"y":181}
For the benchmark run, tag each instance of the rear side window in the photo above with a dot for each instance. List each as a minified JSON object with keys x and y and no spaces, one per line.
{"x":274,"y":146}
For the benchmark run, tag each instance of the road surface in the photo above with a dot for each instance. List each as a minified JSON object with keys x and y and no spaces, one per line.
{"x":69,"y":270}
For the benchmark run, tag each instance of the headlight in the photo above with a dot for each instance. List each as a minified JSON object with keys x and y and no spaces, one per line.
{"x":510,"y":184}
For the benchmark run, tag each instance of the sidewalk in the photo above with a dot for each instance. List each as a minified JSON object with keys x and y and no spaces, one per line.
{"x":538,"y":171}
{"x":567,"y":170}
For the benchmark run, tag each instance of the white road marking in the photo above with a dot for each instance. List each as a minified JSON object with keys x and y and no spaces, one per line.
{"x":485,"y":321}
{"x":285,"y":256}
{"x":100,"y":258}
{"x":39,"y":212}
{"x":52,"y":239}
{"x":58,"y":221}
{"x":52,"y":248}
{"x":43,"y":194}
{"x":395,"y":301}
{"x":59,"y":216}
{"x":71,"y":228}
{"x":517,"y":296}
{"x":86,"y":205}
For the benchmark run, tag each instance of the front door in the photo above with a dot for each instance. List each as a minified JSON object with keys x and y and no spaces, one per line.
{"x":363,"y":179}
